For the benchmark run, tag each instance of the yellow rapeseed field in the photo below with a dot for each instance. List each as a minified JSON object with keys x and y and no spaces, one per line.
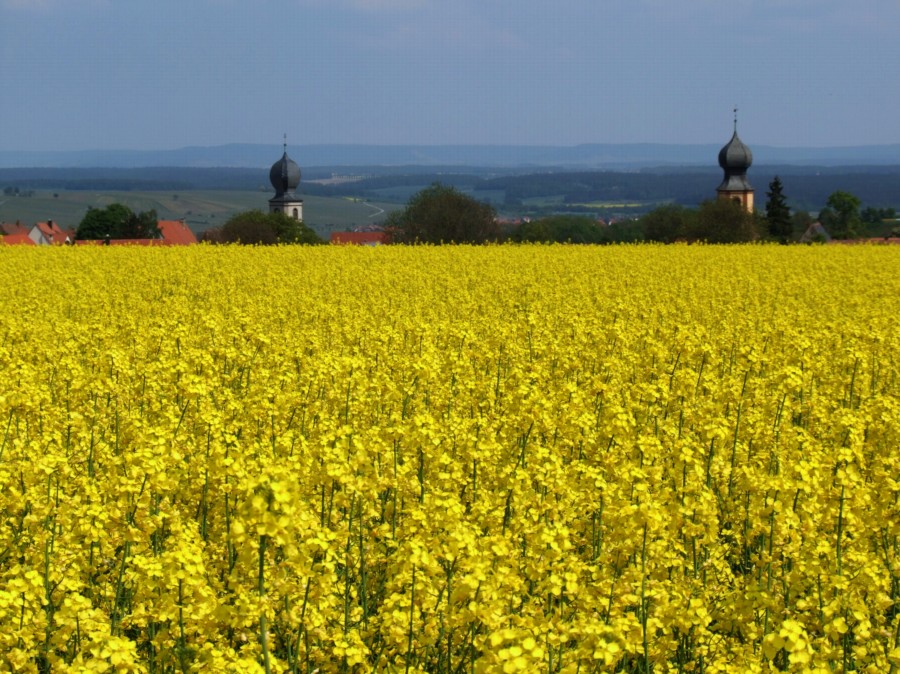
{"x":450,"y":459}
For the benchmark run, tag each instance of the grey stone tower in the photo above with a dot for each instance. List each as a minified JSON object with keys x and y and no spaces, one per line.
{"x":735,"y":158}
{"x":285,"y":178}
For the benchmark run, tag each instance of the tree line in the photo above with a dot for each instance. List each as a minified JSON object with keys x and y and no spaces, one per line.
{"x":262,"y":229}
{"x":117,"y":221}
{"x":443,"y":214}
{"x":15,"y":191}
{"x":809,"y":186}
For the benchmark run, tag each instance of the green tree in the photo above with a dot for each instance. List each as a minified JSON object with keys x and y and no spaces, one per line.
{"x":628,"y":230}
{"x":117,"y":221}
{"x":723,"y":221}
{"x":143,"y":225}
{"x":105,"y":223}
{"x":256,"y":227}
{"x":778,"y":215}
{"x":666,"y":223}
{"x":440,"y":214}
{"x":875,"y":216}
{"x":841,"y":215}
{"x":289,"y":230}
{"x":561,"y":229}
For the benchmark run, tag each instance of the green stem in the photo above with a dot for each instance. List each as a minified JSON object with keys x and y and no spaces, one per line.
{"x":644,"y":601}
{"x":182,"y":646}
{"x":412,"y":606}
{"x":263,"y":627}
{"x":119,"y":590}
{"x":840,"y":530}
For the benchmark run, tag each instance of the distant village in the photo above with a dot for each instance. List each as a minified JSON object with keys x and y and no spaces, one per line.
{"x":284,"y":176}
{"x":735,"y":158}
{"x":172,"y":233}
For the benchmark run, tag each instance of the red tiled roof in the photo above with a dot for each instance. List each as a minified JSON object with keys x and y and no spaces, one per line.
{"x":13,"y":228}
{"x":137,"y":242}
{"x":54,"y":233}
{"x":359,"y":238}
{"x":176,"y":233}
{"x":17,"y":239}
{"x":120,"y":242}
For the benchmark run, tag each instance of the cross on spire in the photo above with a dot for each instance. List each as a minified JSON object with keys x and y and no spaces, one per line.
{"x":735,"y":118}
{"x":285,"y":143}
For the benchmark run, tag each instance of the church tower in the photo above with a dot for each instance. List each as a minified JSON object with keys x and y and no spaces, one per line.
{"x":735,"y":158}
{"x":285,"y":178}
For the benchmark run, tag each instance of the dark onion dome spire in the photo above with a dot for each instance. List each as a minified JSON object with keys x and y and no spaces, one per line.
{"x":735,"y":155}
{"x":735,"y":158}
{"x":284,"y":175}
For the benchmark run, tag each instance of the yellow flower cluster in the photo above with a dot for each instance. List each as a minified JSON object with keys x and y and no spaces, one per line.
{"x":450,"y":459}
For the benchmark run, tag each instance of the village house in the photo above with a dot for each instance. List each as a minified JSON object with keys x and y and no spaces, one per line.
{"x":172,"y":233}
{"x":51,"y":234}
{"x":371,"y":237}
{"x":176,"y":233}
{"x":40,"y":234}
{"x":15,"y":234}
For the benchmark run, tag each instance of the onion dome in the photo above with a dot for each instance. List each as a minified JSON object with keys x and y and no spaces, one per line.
{"x":284,"y":175}
{"x":735,"y":155}
{"x":735,"y":158}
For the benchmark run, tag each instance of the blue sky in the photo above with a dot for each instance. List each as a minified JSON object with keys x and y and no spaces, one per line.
{"x":163,"y":74}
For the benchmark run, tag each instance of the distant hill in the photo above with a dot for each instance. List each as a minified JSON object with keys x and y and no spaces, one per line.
{"x":807,"y":187}
{"x":589,"y":156}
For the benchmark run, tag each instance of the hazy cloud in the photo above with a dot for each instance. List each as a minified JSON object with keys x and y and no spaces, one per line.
{"x":167,"y":73}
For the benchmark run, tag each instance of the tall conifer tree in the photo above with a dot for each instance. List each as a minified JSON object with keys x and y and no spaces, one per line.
{"x":778,"y":215}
